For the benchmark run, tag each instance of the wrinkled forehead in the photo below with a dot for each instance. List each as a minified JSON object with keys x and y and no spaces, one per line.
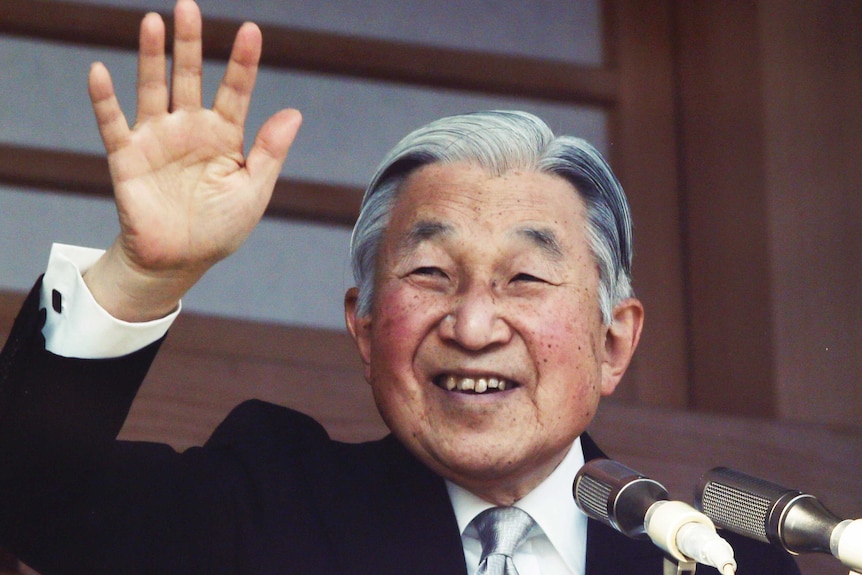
{"x":525,"y":194}
{"x":443,"y":201}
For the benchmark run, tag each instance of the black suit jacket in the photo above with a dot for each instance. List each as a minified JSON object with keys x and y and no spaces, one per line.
{"x":269,"y":493}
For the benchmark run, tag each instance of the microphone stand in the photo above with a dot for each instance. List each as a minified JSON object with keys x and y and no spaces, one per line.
{"x":680,"y":567}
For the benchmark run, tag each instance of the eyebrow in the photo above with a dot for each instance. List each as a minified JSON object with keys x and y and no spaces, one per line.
{"x":424,"y":230}
{"x":545,"y":239}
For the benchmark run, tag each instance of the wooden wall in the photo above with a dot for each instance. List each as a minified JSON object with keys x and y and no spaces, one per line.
{"x":770,"y":127}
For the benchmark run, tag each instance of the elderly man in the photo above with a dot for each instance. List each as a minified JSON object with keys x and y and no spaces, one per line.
{"x":493,"y":310}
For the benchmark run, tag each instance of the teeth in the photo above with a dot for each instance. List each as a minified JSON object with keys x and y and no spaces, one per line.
{"x":476,"y":385}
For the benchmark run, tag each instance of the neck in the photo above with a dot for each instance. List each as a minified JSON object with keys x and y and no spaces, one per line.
{"x":506,"y":490}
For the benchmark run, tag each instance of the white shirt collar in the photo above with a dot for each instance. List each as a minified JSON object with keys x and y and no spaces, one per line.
{"x":550,"y":504}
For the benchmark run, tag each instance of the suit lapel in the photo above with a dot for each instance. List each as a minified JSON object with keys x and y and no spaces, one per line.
{"x":387,"y":513}
{"x":429,"y":528}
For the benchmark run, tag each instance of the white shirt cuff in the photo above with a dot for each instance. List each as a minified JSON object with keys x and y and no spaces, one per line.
{"x":76,"y":325}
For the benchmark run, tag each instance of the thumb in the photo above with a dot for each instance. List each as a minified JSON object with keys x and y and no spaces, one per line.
{"x":271,"y":145}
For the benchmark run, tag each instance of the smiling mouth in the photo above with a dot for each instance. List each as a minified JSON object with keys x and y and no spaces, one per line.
{"x":472,"y":385}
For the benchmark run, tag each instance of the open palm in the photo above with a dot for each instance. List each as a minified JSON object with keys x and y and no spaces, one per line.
{"x":186,"y":195}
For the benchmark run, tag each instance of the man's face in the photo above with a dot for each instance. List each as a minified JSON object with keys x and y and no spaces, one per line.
{"x":485,"y":348}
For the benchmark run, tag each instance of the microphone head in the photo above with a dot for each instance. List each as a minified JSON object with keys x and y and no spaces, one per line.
{"x":740,"y":503}
{"x":616,"y":495}
{"x":756,"y":508}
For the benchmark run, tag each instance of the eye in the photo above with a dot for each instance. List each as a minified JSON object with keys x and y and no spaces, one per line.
{"x":429,"y":271}
{"x":524,"y":277}
{"x":429,"y":278}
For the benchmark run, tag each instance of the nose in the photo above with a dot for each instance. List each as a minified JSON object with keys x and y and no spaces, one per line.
{"x":476,"y":321}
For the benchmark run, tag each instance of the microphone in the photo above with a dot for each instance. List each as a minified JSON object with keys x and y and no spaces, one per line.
{"x":639,"y":507}
{"x":790,"y":519}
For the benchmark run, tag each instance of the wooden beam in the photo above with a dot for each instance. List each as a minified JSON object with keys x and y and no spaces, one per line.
{"x":643,"y":133}
{"x":87,"y":174}
{"x":325,"y":52}
{"x":726,"y":209}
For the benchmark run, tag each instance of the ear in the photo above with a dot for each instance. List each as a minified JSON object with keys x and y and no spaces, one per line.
{"x":359,"y":328}
{"x":621,"y":339}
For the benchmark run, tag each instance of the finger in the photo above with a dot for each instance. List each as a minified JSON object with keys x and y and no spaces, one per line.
{"x":109,"y":116}
{"x":270,"y":149}
{"x":234,"y":93}
{"x":152,"y":83}
{"x":187,"y":69}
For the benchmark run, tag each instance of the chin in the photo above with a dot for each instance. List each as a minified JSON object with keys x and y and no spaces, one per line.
{"x":476,"y":462}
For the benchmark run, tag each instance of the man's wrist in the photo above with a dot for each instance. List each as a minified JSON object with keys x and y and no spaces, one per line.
{"x":76,"y":325}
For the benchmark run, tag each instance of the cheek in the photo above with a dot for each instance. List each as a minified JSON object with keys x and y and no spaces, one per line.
{"x":565,"y":352}
{"x":397,"y":333}
{"x":564,"y":340}
{"x":402,"y":318}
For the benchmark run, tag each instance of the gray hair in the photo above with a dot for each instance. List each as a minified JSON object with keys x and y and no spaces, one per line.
{"x":500,"y":141}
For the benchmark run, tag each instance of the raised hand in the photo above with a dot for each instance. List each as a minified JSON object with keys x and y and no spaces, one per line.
{"x":186,"y":196}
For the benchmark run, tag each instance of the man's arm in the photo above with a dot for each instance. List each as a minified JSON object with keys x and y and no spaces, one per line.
{"x":186,"y":197}
{"x":71,"y":497}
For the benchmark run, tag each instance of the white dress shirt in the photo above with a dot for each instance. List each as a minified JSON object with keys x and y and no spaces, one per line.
{"x":77,"y":326}
{"x":557,"y":544}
